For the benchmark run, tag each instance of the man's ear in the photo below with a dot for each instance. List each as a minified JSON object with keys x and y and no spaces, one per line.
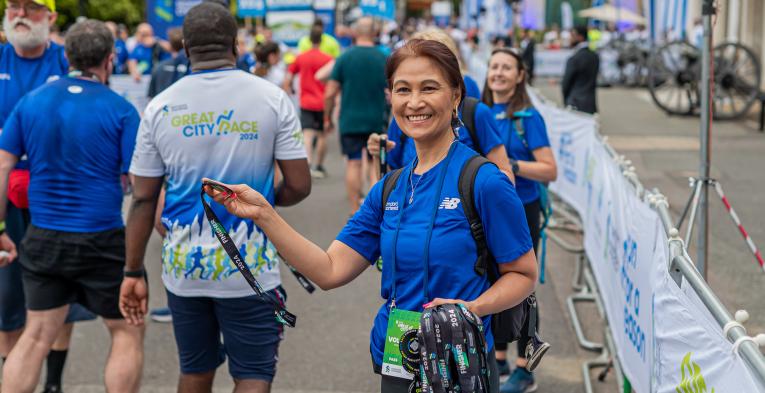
{"x":52,"y":18}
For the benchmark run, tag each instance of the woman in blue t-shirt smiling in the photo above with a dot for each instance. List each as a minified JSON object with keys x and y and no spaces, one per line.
{"x":426,"y":243}
{"x":525,"y":136}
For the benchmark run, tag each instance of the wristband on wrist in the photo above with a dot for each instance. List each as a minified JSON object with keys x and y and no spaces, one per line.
{"x":514,"y":164}
{"x":135,"y":273}
{"x":2,"y":227}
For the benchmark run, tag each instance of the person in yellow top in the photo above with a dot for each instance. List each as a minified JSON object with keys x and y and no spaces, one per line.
{"x":328,"y":45}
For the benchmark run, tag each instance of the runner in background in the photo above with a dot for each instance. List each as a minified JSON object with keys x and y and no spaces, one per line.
{"x":209,"y":299}
{"x":74,"y":249}
{"x":148,"y":52}
{"x":169,"y":71}
{"x":525,"y":137}
{"x":269,"y":64}
{"x":29,"y":60}
{"x":359,"y":78}
{"x":246,"y":60}
{"x":311,"y":101}
{"x":328,"y":44}
{"x":120,"y":49}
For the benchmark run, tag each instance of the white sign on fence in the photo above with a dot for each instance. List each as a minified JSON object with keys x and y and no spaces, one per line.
{"x":666,"y":340}
{"x":129,"y":89}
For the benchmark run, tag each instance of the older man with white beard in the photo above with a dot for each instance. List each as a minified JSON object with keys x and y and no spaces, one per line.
{"x":28,"y":61}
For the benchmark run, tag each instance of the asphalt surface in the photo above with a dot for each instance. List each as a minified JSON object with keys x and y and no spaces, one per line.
{"x":328,"y":351}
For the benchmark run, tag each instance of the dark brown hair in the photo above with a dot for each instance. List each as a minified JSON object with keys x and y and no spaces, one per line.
{"x":520,"y":99}
{"x":437,"y":52}
{"x":262,"y":51}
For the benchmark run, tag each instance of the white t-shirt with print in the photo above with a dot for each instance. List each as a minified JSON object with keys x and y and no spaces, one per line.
{"x":226,"y":125}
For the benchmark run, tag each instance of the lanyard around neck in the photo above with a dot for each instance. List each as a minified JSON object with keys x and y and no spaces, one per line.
{"x":402,"y":205}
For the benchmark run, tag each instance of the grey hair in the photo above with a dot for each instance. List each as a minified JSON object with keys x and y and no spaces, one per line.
{"x":88,"y":44}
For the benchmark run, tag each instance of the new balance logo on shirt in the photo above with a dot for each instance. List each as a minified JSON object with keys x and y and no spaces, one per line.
{"x":449,"y":203}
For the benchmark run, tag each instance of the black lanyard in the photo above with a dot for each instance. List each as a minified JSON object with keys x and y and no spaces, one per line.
{"x":282,"y":315}
{"x":401,"y":204}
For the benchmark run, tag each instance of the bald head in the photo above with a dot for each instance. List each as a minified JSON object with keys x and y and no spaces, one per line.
{"x":364,"y":28}
{"x":144,"y":34}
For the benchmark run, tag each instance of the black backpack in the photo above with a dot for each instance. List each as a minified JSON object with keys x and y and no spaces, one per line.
{"x":485,"y":263}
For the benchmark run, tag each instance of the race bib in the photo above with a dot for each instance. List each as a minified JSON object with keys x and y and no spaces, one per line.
{"x":399,"y":323}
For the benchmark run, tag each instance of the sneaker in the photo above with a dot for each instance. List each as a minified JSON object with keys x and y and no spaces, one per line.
{"x":520,"y":381}
{"x":503,"y":368}
{"x":535,"y":349}
{"x":52,"y":389}
{"x":161,"y":315}
{"x":318,"y":173}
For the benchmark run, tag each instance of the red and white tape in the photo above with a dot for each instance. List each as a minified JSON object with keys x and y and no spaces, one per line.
{"x":741,"y":229}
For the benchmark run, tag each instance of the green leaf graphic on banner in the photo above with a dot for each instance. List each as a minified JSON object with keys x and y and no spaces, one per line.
{"x":691,"y":379}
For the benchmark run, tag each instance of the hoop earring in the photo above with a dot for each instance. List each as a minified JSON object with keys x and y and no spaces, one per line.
{"x":456,"y":124}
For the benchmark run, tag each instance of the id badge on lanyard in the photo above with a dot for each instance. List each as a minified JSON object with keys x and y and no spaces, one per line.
{"x":403,"y":324}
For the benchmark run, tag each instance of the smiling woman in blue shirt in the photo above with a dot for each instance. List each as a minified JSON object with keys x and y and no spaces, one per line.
{"x":524,"y":134}
{"x":426,"y":243}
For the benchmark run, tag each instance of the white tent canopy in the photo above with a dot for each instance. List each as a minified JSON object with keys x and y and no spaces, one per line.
{"x":609,"y":13}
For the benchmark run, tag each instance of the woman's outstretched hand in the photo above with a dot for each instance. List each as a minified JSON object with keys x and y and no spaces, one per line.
{"x":244,"y":202}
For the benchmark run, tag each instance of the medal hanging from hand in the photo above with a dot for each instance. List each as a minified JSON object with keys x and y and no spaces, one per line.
{"x":282,"y":315}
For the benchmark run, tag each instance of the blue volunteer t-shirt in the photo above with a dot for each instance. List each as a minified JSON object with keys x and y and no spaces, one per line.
{"x":120,"y":57}
{"x":536,"y":137}
{"x":143,"y":55}
{"x":471,"y":87}
{"x":452,"y":251}
{"x":79,"y":138}
{"x":486,"y":131}
{"x":19,"y":76}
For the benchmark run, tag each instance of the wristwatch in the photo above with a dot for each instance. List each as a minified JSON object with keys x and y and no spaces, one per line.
{"x":514,"y":164}
{"x":135,"y":273}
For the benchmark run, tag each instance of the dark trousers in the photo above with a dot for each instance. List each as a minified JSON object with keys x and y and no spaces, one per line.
{"x":400,"y":385}
{"x":533,"y":214}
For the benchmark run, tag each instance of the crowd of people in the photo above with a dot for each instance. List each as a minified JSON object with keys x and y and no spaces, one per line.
{"x":253,"y":124}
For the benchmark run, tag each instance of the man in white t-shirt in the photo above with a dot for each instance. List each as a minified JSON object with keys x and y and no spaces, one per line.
{"x":222,"y":123}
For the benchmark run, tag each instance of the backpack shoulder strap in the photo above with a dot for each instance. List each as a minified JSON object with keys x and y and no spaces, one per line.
{"x":520,"y":131}
{"x":389,"y":184}
{"x":466,"y":186}
{"x":468,"y":118}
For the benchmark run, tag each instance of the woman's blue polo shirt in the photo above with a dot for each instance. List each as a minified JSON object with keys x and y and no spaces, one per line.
{"x":536,"y":137}
{"x":452,"y":251}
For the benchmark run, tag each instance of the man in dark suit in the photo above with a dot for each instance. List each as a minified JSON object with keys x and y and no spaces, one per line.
{"x":581,"y":76}
{"x":527,"y":53}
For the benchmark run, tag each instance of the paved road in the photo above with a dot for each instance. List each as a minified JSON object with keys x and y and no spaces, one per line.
{"x":328,"y":351}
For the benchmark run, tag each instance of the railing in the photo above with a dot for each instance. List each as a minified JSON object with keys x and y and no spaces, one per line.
{"x":681,"y":269}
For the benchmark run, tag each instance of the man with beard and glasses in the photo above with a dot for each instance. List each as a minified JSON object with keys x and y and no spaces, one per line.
{"x":27,"y":61}
{"x":74,"y":249}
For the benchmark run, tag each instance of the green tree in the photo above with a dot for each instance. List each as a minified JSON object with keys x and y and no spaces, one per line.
{"x":129,"y":12}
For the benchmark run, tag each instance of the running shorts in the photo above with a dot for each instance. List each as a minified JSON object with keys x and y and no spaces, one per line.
{"x":312,"y":120}
{"x":60,"y":268}
{"x":248,"y":326}
{"x":352,"y":145}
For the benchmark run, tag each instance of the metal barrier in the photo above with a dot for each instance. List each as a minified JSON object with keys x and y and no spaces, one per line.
{"x":681,"y":269}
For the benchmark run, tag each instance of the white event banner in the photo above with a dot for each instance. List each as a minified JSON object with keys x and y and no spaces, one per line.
{"x":666,"y":340}
{"x":137,"y":92}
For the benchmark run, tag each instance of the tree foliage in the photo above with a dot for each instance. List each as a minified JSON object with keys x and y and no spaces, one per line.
{"x":129,"y":12}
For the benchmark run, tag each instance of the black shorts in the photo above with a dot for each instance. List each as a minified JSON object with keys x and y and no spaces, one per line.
{"x":312,"y":120}
{"x":60,"y":268}
{"x":353,"y":144}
